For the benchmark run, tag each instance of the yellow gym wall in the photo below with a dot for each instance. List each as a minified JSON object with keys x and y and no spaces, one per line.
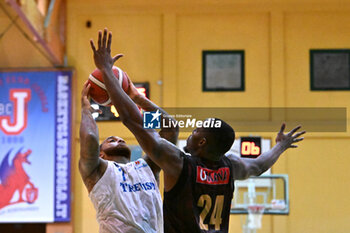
{"x":163,"y":41}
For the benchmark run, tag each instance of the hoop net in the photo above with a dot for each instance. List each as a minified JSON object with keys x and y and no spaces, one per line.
{"x":255,"y":213}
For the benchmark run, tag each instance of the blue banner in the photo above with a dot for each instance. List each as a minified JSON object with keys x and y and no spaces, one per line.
{"x":35,"y":146}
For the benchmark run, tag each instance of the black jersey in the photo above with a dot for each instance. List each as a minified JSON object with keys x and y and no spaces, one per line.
{"x":200,"y":201}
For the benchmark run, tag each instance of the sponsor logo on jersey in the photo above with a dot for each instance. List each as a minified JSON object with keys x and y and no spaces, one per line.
{"x":213,"y":177}
{"x":139,"y":165}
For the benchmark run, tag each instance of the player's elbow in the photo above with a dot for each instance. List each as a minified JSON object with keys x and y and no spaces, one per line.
{"x":89,"y":138}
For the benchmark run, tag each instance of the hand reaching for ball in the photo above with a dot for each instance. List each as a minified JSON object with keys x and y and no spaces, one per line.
{"x":85,"y":102}
{"x":104,"y":62}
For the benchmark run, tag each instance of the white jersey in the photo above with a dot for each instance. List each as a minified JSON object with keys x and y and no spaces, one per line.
{"x":127,"y":199}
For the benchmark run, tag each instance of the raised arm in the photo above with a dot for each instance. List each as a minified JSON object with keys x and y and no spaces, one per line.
{"x":163,"y":153}
{"x":170,"y":134}
{"x":245,"y":168}
{"x":90,"y":165}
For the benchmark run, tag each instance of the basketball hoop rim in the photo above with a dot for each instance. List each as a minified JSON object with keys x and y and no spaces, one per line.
{"x":256,"y":209}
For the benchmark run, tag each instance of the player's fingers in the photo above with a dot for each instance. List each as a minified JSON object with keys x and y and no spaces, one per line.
{"x":293,"y":146}
{"x":282,"y":128}
{"x":298,"y":140}
{"x":109,"y":41}
{"x":92,"y":45}
{"x":99,"y":43}
{"x":116,"y":57}
{"x":92,"y":110}
{"x":99,"y":111}
{"x":299,"y":133}
{"x":294,"y":130}
{"x":86,"y":89}
{"x":104,"y":38}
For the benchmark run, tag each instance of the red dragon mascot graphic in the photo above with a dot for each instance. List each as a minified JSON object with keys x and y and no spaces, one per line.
{"x":14,"y":178}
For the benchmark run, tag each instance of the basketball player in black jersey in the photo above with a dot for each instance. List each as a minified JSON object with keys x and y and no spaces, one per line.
{"x":198,"y":187}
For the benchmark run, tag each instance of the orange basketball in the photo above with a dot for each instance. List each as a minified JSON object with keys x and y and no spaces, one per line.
{"x":98,"y":91}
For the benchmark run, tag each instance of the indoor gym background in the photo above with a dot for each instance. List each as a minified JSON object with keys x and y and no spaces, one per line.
{"x":163,"y":41}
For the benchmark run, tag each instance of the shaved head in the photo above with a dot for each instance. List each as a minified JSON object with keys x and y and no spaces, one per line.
{"x":220,"y":139}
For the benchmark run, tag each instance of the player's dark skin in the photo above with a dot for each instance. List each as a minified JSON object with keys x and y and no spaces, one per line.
{"x":166,"y":155}
{"x":93,"y":158}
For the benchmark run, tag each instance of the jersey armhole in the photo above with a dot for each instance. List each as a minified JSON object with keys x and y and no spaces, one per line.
{"x":100,"y":180}
{"x":232,"y":170}
{"x":181,"y":181}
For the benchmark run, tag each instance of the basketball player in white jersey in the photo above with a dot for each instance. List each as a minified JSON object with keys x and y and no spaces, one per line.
{"x":125,"y":194}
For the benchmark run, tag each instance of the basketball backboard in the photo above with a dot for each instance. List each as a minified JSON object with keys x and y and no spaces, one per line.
{"x":269,"y":191}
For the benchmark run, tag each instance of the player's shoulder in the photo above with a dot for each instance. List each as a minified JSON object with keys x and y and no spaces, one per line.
{"x":235,"y":161}
{"x":229,"y":157}
{"x":232,"y":158}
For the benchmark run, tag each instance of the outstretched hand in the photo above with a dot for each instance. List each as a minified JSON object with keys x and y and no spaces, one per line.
{"x":102,"y":55}
{"x":290,"y":138}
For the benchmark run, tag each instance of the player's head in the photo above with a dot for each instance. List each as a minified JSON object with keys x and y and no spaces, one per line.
{"x":211,"y":142}
{"x":114,"y":147}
